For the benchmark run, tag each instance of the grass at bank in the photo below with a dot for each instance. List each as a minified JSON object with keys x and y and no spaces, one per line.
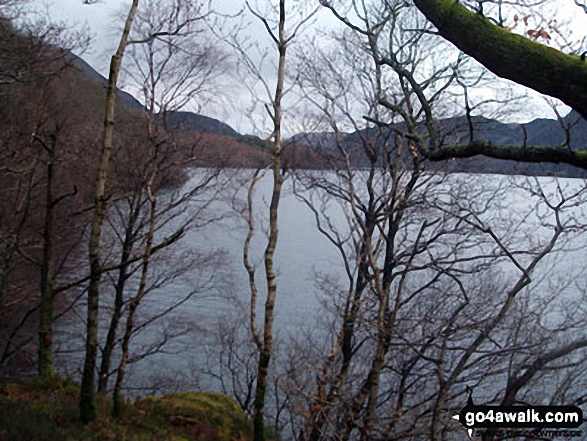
{"x":36,"y":409}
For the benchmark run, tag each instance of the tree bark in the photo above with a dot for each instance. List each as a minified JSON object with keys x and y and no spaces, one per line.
{"x":267,"y":347}
{"x":87,"y":406}
{"x":518,"y":382}
{"x":129,"y":239}
{"x":45,"y":354}
{"x":556,"y":155}
{"x":117,"y":408}
{"x":510,"y":55}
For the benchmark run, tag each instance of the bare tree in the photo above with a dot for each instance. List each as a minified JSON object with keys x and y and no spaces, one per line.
{"x":281,"y":38}
{"x":34,"y":48}
{"x":170,"y":70}
{"x":265,"y":343}
{"x":35,"y":58}
{"x":419,"y":319}
{"x":87,"y":406}
{"x":176,"y":24}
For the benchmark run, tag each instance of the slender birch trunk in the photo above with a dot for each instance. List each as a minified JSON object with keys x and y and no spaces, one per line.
{"x":267,"y":345}
{"x":87,"y":406}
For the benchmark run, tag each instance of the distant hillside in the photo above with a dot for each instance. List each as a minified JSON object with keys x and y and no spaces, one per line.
{"x":125,"y":98}
{"x":204,"y":124}
{"x":220,"y":143}
{"x":305,"y":148}
{"x":88,"y":86}
{"x":540,"y":132}
{"x":175,"y":119}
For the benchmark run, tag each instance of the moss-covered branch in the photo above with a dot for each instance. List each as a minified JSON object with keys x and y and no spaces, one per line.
{"x":510,"y":55}
{"x":557,"y":155}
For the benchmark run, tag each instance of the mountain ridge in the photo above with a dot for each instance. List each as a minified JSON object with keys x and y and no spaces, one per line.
{"x":540,"y":132}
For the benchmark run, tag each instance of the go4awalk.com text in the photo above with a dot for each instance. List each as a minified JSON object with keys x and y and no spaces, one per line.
{"x":548,"y":422}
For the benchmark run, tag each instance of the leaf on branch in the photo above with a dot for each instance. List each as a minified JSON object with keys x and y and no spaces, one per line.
{"x":539,"y":33}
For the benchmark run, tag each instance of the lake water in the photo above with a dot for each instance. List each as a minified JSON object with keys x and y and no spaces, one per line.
{"x":302,"y":252}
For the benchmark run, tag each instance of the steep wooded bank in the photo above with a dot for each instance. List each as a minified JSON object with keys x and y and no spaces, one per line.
{"x":51,"y":108}
{"x":437,"y":283}
{"x":35,"y":409}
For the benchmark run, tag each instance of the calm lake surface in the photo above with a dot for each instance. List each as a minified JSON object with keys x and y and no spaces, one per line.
{"x":301,"y":253}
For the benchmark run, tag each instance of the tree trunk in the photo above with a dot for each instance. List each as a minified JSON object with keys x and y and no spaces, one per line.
{"x":87,"y":407}
{"x":129,"y":239}
{"x":45,"y":354}
{"x":265,"y":354}
{"x":117,"y":408}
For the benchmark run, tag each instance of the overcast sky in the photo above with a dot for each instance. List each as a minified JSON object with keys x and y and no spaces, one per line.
{"x":104,"y":20}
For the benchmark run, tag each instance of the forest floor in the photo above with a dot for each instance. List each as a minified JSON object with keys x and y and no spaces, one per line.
{"x":35,"y":409}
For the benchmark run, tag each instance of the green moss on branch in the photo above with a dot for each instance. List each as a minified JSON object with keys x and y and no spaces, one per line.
{"x":558,"y":155}
{"x":510,"y":55}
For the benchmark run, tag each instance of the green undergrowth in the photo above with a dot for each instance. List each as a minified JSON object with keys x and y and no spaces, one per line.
{"x":39,"y":409}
